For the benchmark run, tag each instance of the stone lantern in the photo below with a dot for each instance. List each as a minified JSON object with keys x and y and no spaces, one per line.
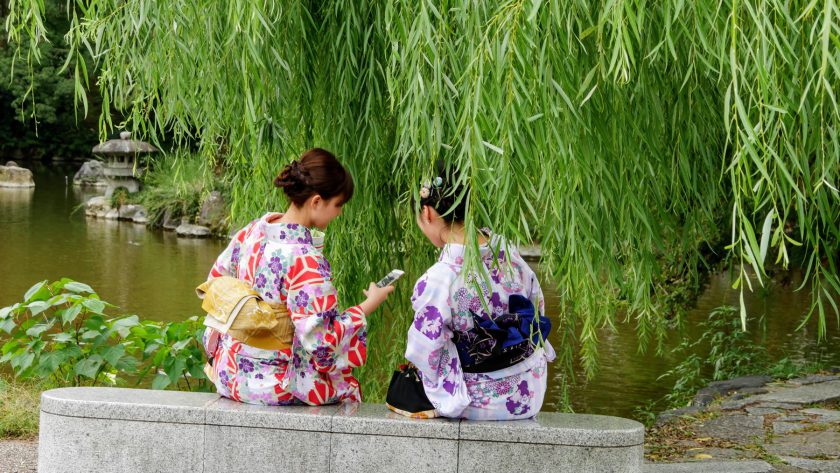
{"x":120,"y":167}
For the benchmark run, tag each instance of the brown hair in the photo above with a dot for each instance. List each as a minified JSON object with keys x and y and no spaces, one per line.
{"x":316,"y":172}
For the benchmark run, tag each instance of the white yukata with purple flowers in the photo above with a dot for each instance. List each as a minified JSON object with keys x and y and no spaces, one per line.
{"x":444,"y":301}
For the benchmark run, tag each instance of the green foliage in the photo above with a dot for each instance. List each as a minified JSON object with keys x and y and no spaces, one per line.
{"x":724,"y":351}
{"x":60,"y":332}
{"x":613,"y":132}
{"x":177,"y":183}
{"x":38,"y":116}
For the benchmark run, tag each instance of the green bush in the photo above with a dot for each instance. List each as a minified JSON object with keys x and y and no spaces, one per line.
{"x":177,"y":183}
{"x":725,"y":351}
{"x":60,"y":333}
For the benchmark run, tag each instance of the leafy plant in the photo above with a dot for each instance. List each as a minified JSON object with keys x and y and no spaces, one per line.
{"x":61,"y":332}
{"x":725,"y":351}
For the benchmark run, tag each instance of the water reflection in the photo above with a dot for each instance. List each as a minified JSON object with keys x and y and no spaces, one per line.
{"x":46,"y":236}
{"x":627,"y":379}
{"x":15,"y":204}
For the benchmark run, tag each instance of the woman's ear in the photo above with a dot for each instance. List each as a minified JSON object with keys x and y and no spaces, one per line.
{"x":427,"y":214}
{"x":316,"y":200}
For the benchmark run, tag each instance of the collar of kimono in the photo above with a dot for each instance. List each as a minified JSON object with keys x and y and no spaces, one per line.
{"x":453,"y":253}
{"x":285,"y":232}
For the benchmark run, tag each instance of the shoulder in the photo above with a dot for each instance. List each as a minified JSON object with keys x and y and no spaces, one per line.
{"x":438,"y":279}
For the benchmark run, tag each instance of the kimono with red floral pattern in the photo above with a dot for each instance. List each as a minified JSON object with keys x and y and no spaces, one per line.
{"x":286,"y":266}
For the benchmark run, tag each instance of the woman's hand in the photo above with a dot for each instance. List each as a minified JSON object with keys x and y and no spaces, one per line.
{"x":375,"y":297}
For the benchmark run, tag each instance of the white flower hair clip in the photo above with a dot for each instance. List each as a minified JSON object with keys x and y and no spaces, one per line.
{"x":426,"y":188}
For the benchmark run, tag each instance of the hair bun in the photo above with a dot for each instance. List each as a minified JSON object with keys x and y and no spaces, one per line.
{"x":292,"y":176}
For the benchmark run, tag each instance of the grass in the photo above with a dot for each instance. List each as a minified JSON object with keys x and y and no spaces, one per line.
{"x":19,"y":408}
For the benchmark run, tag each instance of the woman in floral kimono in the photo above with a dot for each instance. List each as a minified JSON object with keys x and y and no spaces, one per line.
{"x":478,"y":339}
{"x":278,"y":255}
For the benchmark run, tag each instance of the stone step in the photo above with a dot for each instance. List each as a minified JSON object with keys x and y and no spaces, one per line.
{"x":709,"y":467}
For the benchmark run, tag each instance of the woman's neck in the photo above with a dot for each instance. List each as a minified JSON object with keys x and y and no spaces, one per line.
{"x":295,"y":214}
{"x":456,"y":234}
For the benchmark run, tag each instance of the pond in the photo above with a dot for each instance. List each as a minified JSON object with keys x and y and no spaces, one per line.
{"x":153,"y":274}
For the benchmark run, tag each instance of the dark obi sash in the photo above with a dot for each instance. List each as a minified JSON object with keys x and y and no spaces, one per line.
{"x":497,"y":343}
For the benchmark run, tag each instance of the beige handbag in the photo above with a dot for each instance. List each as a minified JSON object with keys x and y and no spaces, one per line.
{"x":235,"y":308}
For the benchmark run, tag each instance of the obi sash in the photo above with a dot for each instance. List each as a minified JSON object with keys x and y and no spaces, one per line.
{"x":234,"y":307}
{"x":501,"y":342}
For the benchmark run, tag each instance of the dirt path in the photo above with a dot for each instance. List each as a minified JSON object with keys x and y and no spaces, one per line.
{"x":18,"y":456}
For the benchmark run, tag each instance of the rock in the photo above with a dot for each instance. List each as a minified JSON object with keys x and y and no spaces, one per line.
{"x":735,"y":428}
{"x":14,"y":176}
{"x":738,"y":404}
{"x":784,"y":427}
{"x":709,"y":466}
{"x":91,"y":174}
{"x":762,"y":411}
{"x":112,"y":214}
{"x":813,"y":379}
{"x":667,"y":416}
{"x":806,"y":444}
{"x":825,"y":415}
{"x":128,"y":211}
{"x":819,"y":392}
{"x":722,"y":388}
{"x":141,"y":216}
{"x":97,"y":207}
{"x":134,"y":212}
{"x":213,"y":211}
{"x":11,"y":164}
{"x":778,"y":405}
{"x":170,"y":223}
{"x":746,"y":392}
{"x":196,"y":231}
{"x":819,"y":466}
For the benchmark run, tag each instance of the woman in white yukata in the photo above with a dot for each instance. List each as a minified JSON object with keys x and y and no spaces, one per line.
{"x":477,"y":340}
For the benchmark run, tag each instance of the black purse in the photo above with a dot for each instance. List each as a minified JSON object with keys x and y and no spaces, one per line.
{"x":406,"y":395}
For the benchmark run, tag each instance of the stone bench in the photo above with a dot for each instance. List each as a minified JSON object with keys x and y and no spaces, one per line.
{"x":120,"y":430}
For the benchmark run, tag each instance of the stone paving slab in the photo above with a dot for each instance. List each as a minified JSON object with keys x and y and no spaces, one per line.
{"x":813,"y":379}
{"x":735,"y":428}
{"x":808,"y":394}
{"x":825,"y":415}
{"x":817,"y":466}
{"x":806,"y":444}
{"x":782,"y":427}
{"x":709,"y":466}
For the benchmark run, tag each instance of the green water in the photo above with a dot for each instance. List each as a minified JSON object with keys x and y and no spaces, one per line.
{"x":153,"y":274}
{"x":146,"y":272}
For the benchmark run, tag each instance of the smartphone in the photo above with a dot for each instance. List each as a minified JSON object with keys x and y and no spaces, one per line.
{"x":390,"y":278}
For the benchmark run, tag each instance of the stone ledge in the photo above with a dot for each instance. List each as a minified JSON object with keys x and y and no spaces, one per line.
{"x":358,"y":437}
{"x":710,"y":466}
{"x":128,"y":404}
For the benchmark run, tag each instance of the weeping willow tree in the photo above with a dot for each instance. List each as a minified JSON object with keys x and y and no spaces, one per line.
{"x":621,"y":135}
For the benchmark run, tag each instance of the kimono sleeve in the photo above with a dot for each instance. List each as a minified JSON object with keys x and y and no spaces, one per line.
{"x":431,"y":349}
{"x":333,"y":340}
